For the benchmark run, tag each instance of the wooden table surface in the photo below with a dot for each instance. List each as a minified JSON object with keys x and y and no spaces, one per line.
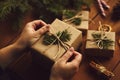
{"x":24,"y":69}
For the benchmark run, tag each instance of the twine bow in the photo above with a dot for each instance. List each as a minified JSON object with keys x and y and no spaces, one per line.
{"x":101,"y":39}
{"x":59,"y":42}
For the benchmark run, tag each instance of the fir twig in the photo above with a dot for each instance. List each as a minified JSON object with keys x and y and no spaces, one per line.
{"x":77,"y":21}
{"x":64,"y":36}
{"x":105,"y":43}
{"x":10,"y":6}
{"x":55,"y":7}
{"x":68,"y":14}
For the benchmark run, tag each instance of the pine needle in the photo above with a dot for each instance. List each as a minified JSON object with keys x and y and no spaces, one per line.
{"x":64,"y":36}
{"x":105,"y":43}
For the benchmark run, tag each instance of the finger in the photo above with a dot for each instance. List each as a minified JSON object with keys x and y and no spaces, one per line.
{"x":39,"y":22}
{"x":36,"y":24}
{"x":43,"y":30}
{"x":77,"y":58}
{"x":67,"y":55}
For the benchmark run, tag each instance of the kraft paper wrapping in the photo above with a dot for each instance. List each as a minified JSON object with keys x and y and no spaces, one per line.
{"x":92,"y":49}
{"x":52,"y":51}
{"x":85,"y":20}
{"x":84,"y":15}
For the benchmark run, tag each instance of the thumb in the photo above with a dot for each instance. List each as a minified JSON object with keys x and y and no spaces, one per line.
{"x":67,"y":55}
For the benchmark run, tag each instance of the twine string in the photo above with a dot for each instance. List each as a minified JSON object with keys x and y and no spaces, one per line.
{"x":60,"y":42}
{"x":99,"y":42}
{"x":77,"y":16}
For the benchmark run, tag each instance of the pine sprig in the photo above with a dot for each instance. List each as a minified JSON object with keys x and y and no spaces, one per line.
{"x":105,"y":43}
{"x":54,"y":7}
{"x":64,"y":36}
{"x":57,"y":7}
{"x":69,"y":13}
{"x":10,"y":6}
{"x":6,"y":8}
{"x":76,"y":21}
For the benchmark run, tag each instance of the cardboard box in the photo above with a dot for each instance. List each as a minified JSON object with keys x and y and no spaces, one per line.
{"x":84,"y":15}
{"x":93,"y":49}
{"x":52,"y":52}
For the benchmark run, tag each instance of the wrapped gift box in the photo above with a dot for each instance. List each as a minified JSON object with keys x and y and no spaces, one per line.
{"x":53,"y":53}
{"x":85,"y":20}
{"x":94,"y":49}
{"x":84,"y":25}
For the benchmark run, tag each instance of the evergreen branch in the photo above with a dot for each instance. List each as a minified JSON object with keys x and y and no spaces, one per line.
{"x":64,"y":36}
{"x":105,"y":43}
{"x":6,"y":8}
{"x":10,"y":6}
{"x":55,"y":7}
{"x":76,"y":21}
{"x":69,"y":13}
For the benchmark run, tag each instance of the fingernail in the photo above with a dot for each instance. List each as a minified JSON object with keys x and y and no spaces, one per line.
{"x":71,"y":49}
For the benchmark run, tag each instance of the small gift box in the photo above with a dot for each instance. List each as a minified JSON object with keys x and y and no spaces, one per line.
{"x":84,"y":20}
{"x":100,"y":43}
{"x":53,"y":45}
{"x":79,"y":21}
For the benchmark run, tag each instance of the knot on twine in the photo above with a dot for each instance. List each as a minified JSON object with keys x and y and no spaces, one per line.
{"x":101,"y":39}
{"x":52,"y":38}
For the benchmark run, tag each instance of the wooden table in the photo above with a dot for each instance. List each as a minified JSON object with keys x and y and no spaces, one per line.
{"x":114,"y":63}
{"x":25,"y":69}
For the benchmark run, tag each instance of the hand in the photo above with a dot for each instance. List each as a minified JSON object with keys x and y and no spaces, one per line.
{"x":32,"y":32}
{"x":64,"y":70}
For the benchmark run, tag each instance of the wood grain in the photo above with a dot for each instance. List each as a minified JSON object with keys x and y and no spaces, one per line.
{"x":33,"y":72}
{"x":110,"y":64}
{"x":117,"y":72}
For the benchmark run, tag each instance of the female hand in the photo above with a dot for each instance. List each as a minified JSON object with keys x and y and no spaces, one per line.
{"x":64,"y":70}
{"x":32,"y":32}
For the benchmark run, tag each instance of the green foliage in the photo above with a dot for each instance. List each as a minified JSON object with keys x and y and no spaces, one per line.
{"x":50,"y":38}
{"x":16,"y":9}
{"x":58,"y":6}
{"x":64,"y":35}
{"x":9,"y":6}
{"x":105,"y":43}
{"x":69,"y":13}
{"x":76,"y":21}
{"x":42,"y":7}
{"x":96,"y":36}
{"x":55,"y":6}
